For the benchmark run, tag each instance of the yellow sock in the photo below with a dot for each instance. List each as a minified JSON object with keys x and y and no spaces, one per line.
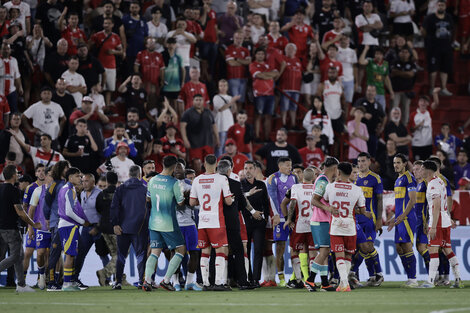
{"x":304,"y":264}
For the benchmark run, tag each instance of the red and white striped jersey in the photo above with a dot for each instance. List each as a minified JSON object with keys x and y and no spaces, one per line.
{"x":8,"y":73}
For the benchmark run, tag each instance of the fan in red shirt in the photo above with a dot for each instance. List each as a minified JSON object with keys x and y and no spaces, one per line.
{"x":71,"y":32}
{"x":171,"y":145}
{"x":4,"y":22}
{"x":4,"y":112}
{"x":274,"y":56}
{"x":299,"y":33}
{"x":330,"y":61}
{"x":333,"y":36}
{"x":238,"y":158}
{"x":237,"y":132}
{"x":275,"y":39}
{"x":157,"y":155}
{"x":151,"y":65}
{"x":193,"y":27}
{"x":311,"y":155}
{"x":290,"y":81}
{"x":192,"y":88}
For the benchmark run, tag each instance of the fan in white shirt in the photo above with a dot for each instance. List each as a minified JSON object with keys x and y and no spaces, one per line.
{"x":76,"y":85}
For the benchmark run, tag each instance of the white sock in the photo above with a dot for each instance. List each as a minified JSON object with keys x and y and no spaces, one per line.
{"x":296,"y":267}
{"x":348,"y":265}
{"x":175,"y":279}
{"x":454,"y":263}
{"x":343,"y":271}
{"x":225,"y":277}
{"x":247,"y":266}
{"x":190,"y":278}
{"x":264,"y":269}
{"x":205,"y":270}
{"x":219,"y":270}
{"x":433,"y":269}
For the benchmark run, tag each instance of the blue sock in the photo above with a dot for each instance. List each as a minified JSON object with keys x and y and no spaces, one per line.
{"x":426,"y":258}
{"x":370,"y":265}
{"x":375,"y":256}
{"x":411,"y":260}
{"x":444,"y":266}
{"x":405,"y":264}
{"x":358,"y":258}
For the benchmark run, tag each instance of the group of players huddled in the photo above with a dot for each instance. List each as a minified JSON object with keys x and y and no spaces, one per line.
{"x":330,"y":215}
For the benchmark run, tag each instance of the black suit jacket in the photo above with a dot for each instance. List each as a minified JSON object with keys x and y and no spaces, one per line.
{"x":232,"y":220}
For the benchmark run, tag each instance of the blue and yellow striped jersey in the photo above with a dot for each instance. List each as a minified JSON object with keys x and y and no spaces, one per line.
{"x":404,"y":184}
{"x":371,"y":185}
{"x":447,"y":184}
{"x":421,"y":206}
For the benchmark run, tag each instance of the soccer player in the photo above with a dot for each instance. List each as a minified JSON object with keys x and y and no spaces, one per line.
{"x":164,"y":192}
{"x":301,"y":237}
{"x":320,"y":225}
{"x":71,"y":216}
{"x":207,"y":191}
{"x":421,"y":208}
{"x":404,"y":220}
{"x":371,"y":185}
{"x":43,"y":235}
{"x":439,"y":225}
{"x":278,"y":184}
{"x":343,"y":198}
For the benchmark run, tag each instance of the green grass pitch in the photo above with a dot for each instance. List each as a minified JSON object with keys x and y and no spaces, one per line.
{"x":388,"y":298}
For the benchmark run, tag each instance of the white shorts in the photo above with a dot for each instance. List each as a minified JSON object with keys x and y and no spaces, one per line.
{"x":110,"y":84}
{"x":311,"y":88}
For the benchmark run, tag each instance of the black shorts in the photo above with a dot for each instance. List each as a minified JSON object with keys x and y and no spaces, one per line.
{"x":171,"y":95}
{"x":369,"y":54}
{"x":338,"y":125}
{"x":440,"y":60}
{"x":405,"y":29}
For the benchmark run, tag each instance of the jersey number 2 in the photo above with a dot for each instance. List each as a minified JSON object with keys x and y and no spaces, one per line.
{"x":205,"y":204}
{"x":305,"y":207}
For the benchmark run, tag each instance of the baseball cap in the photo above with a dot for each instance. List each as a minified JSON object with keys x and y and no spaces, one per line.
{"x":230,"y":141}
{"x":123,"y":144}
{"x":87,"y":99}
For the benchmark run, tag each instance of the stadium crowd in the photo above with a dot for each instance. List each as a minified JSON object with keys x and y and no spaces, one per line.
{"x":107,"y":103}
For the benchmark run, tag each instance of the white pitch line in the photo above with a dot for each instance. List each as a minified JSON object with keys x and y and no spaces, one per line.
{"x":452,"y":310}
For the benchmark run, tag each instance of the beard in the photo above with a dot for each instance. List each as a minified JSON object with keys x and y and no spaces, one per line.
{"x":441,"y":11}
{"x":395,"y":119}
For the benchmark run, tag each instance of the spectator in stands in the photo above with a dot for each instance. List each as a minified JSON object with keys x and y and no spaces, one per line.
{"x":151,"y":66}
{"x":65,"y":100}
{"x":238,"y":159}
{"x":311,"y":155}
{"x":421,"y":127}
{"x":272,"y":151}
{"x":320,"y":140}
{"x":438,"y":32}
{"x":167,"y":12}
{"x":47,"y":116}
{"x":119,"y":135}
{"x":228,"y":23}
{"x":56,"y":63}
{"x":448,"y":142}
{"x":157,"y":28}
{"x":208,"y":46}
{"x":24,"y":17}
{"x":76,"y":85}
{"x":133,"y":32}
{"x":311,"y":76}
{"x":403,"y":73}
{"x":397,"y":43}
{"x":387,"y":170}
{"x":275,"y":38}
{"x":237,"y":59}
{"x":397,"y":131}
{"x":198,"y":131}
{"x":157,"y":155}
{"x":42,"y":155}
{"x":247,"y":42}
{"x":299,"y":34}
{"x":323,"y":18}
{"x":10,"y":145}
{"x":107,"y":45}
{"x":135,"y":96}
{"x":108,"y":13}
{"x":348,"y":59}
{"x":4,"y":21}
{"x":289,"y":82}
{"x":167,"y":116}
{"x":174,"y":75}
{"x":139,"y":135}
{"x":191,"y":88}
{"x":375,"y":118}
{"x":36,"y":45}
{"x":10,"y":82}
{"x":4,"y":112}
{"x":47,"y":14}
{"x":402,"y":11}
{"x":10,"y":159}
{"x":80,"y":148}
{"x":334,"y":35}
{"x":171,"y":144}
{"x":90,"y":68}
{"x":377,"y":74}
{"x":257,"y":27}
{"x":184,"y":40}
{"x":263,"y":76}
{"x":119,"y":163}
{"x":71,"y":31}
{"x":461,"y":167}
{"x":224,"y":108}
{"x":260,"y":8}
{"x":446,"y":167}
{"x":358,"y":134}
{"x":317,"y":116}
{"x":330,"y":60}
{"x":242,"y":134}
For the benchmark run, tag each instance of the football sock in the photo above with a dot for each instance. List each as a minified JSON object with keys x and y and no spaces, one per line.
{"x":303,"y":257}
{"x":41,"y":270}
{"x":324,"y":275}
{"x":444,"y":266}
{"x":281,"y":275}
{"x":343,"y":272}
{"x":310,"y":263}
{"x":358,"y":258}
{"x":454,"y":263}
{"x":68,"y":273}
{"x":348,"y":264}
{"x":433,"y":266}
{"x":314,"y":270}
{"x":370,"y":265}
{"x":426,"y":258}
{"x":51,"y":276}
{"x":247,"y":265}
{"x":150,"y":267}
{"x":411,"y":260}
{"x":405,"y":264}
{"x":296,"y":267}
{"x":271,"y":267}
{"x":173,"y":266}
{"x":293,"y":276}
{"x":220,"y":268}
{"x":190,"y":278}
{"x":375,"y":256}
{"x":205,"y":268}
{"x":264,"y":269}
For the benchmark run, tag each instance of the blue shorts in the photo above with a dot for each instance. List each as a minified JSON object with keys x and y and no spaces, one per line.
{"x":404,"y":232}
{"x":360,"y":236}
{"x":190,"y":237}
{"x":43,"y":239}
{"x":421,"y":237}
{"x":368,"y":229}
{"x":321,"y":234}
{"x":264,"y":105}
{"x":286,"y":104}
{"x":170,"y":240}
{"x":279,"y":233}
{"x":69,"y":235}
{"x":31,"y":243}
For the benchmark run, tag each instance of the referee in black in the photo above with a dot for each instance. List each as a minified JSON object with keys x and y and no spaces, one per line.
{"x":255,"y":218}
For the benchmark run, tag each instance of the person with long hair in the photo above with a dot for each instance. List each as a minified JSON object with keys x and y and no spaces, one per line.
{"x":318,"y":116}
